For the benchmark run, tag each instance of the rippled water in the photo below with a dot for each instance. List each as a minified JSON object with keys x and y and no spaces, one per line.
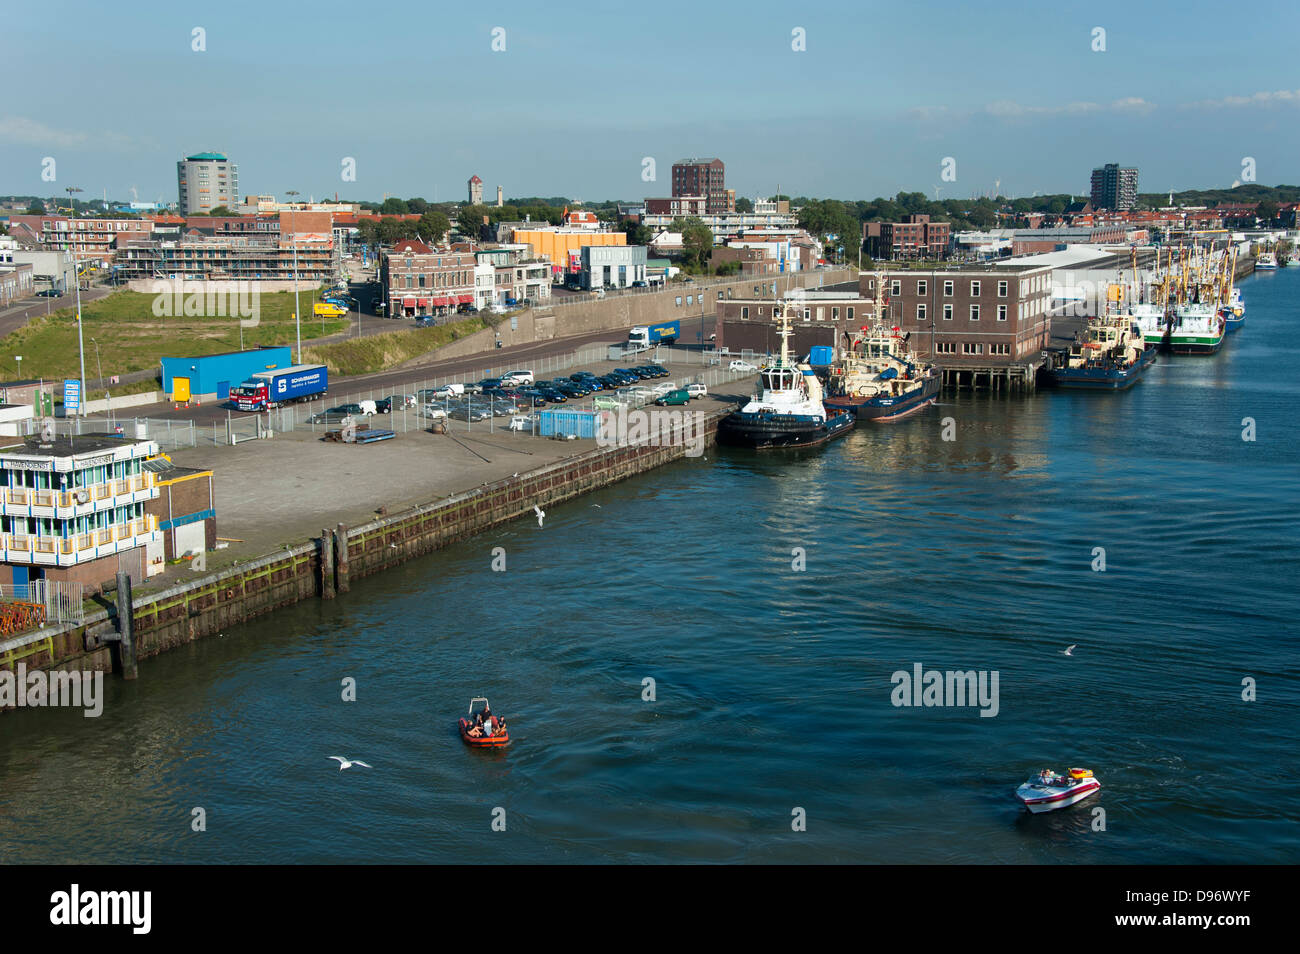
{"x":773,"y":686}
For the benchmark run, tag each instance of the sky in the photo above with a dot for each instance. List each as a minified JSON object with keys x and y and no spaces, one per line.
{"x":837,"y":99}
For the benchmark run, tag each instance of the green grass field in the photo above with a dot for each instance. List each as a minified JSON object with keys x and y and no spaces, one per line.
{"x":378,"y":352}
{"x":131,"y":337}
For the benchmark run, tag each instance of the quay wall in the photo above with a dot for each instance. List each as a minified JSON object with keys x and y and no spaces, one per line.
{"x":325,"y":566}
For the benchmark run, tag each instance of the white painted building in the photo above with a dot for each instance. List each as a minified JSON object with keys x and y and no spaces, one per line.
{"x":612,"y":266}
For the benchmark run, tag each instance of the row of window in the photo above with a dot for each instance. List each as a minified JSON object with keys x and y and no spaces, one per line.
{"x":971,"y":348}
{"x":1035,"y":284}
{"x":442,"y":280}
{"x":921,"y":312}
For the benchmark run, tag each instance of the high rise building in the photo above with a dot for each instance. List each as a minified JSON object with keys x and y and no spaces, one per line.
{"x":475,"y":191}
{"x":1114,"y":188}
{"x":707,"y":178}
{"x":206,"y":180}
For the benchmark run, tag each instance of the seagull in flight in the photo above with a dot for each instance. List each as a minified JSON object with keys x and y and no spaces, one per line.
{"x":344,"y":763}
{"x":541,"y":514}
{"x":1069,"y":650}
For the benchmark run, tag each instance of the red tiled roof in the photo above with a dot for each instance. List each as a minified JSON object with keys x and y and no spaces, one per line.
{"x":411,"y":245}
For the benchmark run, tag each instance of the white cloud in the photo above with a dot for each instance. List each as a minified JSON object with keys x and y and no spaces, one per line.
{"x":29,"y":132}
{"x":1281,"y":97}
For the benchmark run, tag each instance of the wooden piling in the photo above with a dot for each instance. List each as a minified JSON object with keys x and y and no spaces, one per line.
{"x":126,"y":628}
{"x":341,"y":558}
{"x":326,"y":564}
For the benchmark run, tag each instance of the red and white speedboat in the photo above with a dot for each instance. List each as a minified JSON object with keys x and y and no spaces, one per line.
{"x":1047,"y":791}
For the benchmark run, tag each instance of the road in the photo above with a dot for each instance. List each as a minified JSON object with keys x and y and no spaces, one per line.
{"x":14,"y":317}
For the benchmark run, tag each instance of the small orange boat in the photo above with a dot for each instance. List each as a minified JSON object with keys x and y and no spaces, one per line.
{"x":496,"y":737}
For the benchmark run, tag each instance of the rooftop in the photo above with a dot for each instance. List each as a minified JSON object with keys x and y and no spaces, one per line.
{"x":206,"y":157}
{"x":72,"y":446}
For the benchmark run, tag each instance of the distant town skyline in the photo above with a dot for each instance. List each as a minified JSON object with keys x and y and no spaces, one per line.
{"x":1014,"y":98}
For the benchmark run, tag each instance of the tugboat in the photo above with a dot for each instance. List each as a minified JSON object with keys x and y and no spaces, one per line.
{"x":1112,"y":356}
{"x":877,"y":378}
{"x":1048,"y":791}
{"x":788,"y":411}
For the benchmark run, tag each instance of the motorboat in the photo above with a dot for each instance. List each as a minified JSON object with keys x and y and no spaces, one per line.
{"x":1048,"y":791}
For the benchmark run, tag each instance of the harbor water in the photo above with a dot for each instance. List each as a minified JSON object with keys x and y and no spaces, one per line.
{"x":771,"y":599}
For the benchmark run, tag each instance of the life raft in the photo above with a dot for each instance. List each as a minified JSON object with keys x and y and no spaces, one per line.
{"x":495,"y":741}
{"x":1080,"y":773}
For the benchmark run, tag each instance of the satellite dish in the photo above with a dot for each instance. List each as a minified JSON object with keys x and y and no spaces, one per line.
{"x":47,"y":430}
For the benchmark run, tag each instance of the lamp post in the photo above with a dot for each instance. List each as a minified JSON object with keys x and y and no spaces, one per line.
{"x":100,"y":381}
{"x":76,"y":278}
{"x":297,"y":314}
{"x":19,"y":359}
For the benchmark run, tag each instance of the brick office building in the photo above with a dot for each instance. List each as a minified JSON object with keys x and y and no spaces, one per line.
{"x":704,"y":177}
{"x":978,"y":316}
{"x":914,"y":238}
{"x":420,"y":280}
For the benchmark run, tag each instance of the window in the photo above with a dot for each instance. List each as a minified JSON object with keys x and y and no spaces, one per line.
{"x":945,"y":347}
{"x":679,"y":299}
{"x":972,"y":347}
{"x":850,"y":314}
{"x":947,"y":289}
{"x":1002,"y":289}
{"x":947,"y":312}
{"x":974,"y":312}
{"x":922,"y":287}
{"x":744,"y":312}
{"x":807,"y":313}
{"x":896,"y":287}
{"x":690,"y":299}
{"x":835,"y":314}
{"x":974,"y":289}
{"x":999,"y":349}
{"x":1002,"y":312}
{"x":421,"y":279}
{"x":920,"y":312}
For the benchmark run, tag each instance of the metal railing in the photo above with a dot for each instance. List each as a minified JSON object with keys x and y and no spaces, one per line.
{"x":168,"y":434}
{"x":61,"y":600}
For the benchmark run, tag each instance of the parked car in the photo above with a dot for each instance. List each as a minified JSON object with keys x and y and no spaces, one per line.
{"x":658,"y":369}
{"x":399,"y":401}
{"x":554,"y":396}
{"x":696,"y":390}
{"x":640,"y":285}
{"x":488,"y":384}
{"x":534,"y":395}
{"x":450,"y":390}
{"x":679,"y":396}
{"x":738,"y":365}
{"x":424,"y":321}
{"x":518,"y":377}
{"x":335,"y":415}
{"x":49,"y":293}
{"x":384,"y":406}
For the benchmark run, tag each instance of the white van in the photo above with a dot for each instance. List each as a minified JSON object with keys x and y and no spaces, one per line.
{"x":450,"y":390}
{"x":518,"y":378}
{"x":368,"y":407}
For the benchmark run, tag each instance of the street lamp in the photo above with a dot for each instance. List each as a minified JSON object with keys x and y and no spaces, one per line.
{"x":100,"y":382}
{"x":19,"y":359}
{"x":76,"y":277}
{"x":297,"y":314}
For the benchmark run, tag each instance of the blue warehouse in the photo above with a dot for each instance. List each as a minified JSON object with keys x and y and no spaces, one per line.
{"x":211,"y":377}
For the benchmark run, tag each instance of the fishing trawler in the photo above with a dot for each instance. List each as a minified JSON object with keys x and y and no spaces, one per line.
{"x":877,"y":378}
{"x":1185,"y":314}
{"x":1265,"y":260}
{"x":788,"y":410}
{"x":1112,"y":356}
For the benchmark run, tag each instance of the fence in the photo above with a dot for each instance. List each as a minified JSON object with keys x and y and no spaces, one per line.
{"x":490,"y":415}
{"x":38,"y":602}
{"x":169,"y":434}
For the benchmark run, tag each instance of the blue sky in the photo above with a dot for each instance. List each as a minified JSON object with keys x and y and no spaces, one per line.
{"x":1013,"y":91}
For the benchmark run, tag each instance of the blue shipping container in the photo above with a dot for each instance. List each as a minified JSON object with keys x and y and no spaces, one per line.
{"x":820,"y":356}
{"x":580,"y":423}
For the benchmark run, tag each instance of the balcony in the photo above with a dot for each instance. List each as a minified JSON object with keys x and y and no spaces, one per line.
{"x":81,"y":548}
{"x":65,"y":504}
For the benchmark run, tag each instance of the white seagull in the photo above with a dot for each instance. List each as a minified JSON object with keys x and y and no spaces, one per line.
{"x":541,"y":514}
{"x":1069,"y":650}
{"x":344,"y":763}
